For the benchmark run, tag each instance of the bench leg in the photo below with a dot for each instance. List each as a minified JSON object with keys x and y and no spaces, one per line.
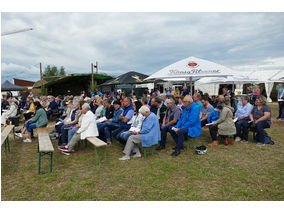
{"x":86,"y":143}
{"x":14,"y":133}
{"x":39,"y":162}
{"x":145,"y":152}
{"x":187,"y":145}
{"x":152,"y":150}
{"x":105,"y":154}
{"x":8,"y":143}
{"x":96,"y":156}
{"x":5,"y":144}
{"x":51,"y":158}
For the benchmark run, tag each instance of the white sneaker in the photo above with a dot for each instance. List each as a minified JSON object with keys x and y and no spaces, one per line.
{"x":237,"y":139}
{"x":19,"y":134}
{"x":125,"y":157}
{"x":137,"y":155}
{"x":260,"y":144}
{"x":27,"y":140}
{"x":244,"y":141}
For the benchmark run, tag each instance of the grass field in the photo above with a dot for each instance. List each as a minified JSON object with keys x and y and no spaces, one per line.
{"x":238,"y":172}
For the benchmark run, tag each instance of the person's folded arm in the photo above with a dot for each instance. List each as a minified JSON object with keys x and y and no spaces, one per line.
{"x":263,"y":118}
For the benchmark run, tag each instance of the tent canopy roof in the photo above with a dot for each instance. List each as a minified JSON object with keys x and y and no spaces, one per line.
{"x":131,"y":77}
{"x":8,"y":86}
{"x":192,"y":67}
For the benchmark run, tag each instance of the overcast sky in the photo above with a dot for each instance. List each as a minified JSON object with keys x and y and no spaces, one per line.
{"x":143,"y":42}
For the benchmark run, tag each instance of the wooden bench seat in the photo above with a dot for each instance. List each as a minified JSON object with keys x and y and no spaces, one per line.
{"x":97,"y":143}
{"x":5,"y":136}
{"x":41,"y":130}
{"x":45,"y":147}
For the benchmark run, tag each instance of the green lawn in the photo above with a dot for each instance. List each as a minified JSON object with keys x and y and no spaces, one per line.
{"x":238,"y":172}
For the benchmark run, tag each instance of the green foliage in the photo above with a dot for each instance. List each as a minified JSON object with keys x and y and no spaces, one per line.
{"x":62,"y":71}
{"x":50,"y":73}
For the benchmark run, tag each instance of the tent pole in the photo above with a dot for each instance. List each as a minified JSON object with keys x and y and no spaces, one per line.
{"x":191,"y":85}
{"x":233,"y":88}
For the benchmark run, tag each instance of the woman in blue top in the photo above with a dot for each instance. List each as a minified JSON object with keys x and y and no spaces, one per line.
{"x":148,"y":136}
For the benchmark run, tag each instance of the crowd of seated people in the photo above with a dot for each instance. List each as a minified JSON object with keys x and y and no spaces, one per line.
{"x":149,"y":119}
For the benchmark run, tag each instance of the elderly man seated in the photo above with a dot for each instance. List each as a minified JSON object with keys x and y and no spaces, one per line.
{"x":172,"y":115}
{"x":189,"y":123}
{"x":148,"y":136}
{"x":88,"y":129}
{"x":242,"y":123}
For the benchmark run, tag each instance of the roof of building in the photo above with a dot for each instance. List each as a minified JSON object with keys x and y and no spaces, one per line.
{"x":131,"y":77}
{"x":8,"y":86}
{"x":23,"y":83}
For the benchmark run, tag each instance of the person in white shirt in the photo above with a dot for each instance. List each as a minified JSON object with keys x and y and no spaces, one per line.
{"x":11,"y":112}
{"x":136,"y":123}
{"x":88,"y":128}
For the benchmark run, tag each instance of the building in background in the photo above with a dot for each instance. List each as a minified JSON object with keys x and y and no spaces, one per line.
{"x":23,"y":83}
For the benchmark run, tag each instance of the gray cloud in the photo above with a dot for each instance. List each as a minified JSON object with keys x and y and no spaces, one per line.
{"x":145,"y":42}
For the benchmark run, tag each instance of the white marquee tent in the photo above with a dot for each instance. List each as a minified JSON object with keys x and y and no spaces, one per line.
{"x":191,"y":67}
{"x":268,"y":77}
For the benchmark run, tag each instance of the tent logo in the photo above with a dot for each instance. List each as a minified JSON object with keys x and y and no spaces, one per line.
{"x":192,"y":64}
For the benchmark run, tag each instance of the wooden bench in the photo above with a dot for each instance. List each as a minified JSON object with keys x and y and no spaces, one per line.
{"x":5,"y":137}
{"x":97,"y":144}
{"x":45,"y":147}
{"x":41,"y":130}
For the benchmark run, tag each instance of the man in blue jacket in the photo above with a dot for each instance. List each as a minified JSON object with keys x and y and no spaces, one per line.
{"x":189,"y":123}
{"x":148,"y":136}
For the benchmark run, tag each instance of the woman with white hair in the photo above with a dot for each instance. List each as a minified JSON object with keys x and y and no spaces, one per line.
{"x":88,"y":128}
{"x":148,"y":136}
{"x":11,"y":112}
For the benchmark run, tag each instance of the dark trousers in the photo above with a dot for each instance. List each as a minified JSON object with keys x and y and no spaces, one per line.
{"x":101,"y":127}
{"x":261,"y":134}
{"x":179,"y":138}
{"x":164,"y":131}
{"x":64,"y":134}
{"x":28,"y":115}
{"x":213,"y":132}
{"x":58,"y":127}
{"x":109,"y":126}
{"x":242,"y":128}
{"x":116,"y":133}
{"x":203,"y":123}
{"x":280,"y":112}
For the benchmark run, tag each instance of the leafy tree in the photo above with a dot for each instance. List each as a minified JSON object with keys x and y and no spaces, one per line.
{"x":62,"y":71}
{"x":50,"y":73}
